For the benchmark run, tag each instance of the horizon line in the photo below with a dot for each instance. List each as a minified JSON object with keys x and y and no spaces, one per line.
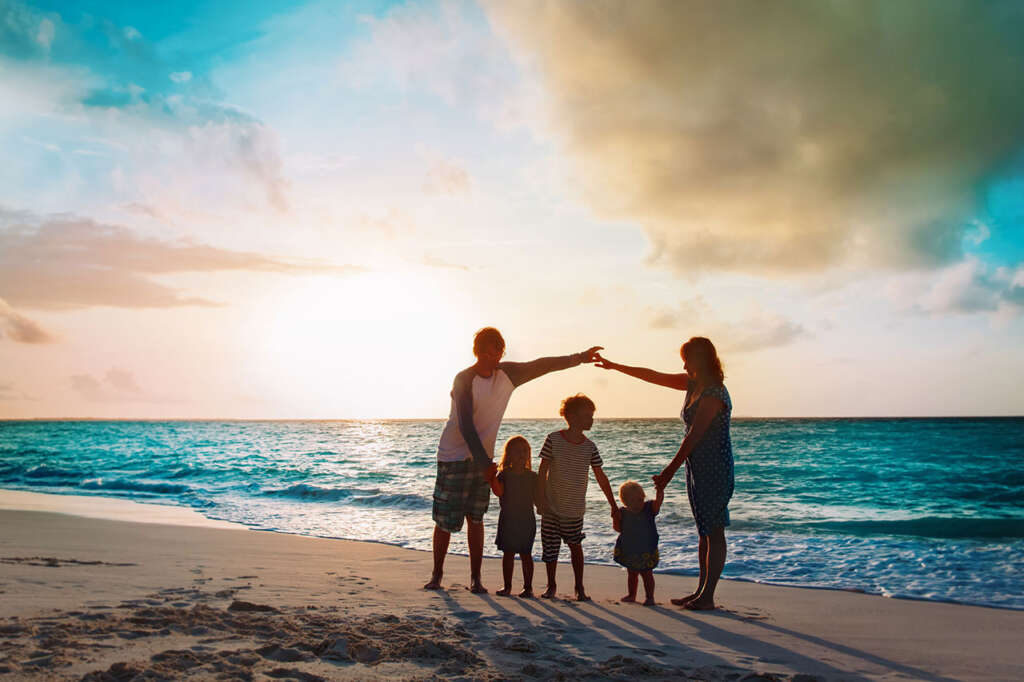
{"x":442,"y":419}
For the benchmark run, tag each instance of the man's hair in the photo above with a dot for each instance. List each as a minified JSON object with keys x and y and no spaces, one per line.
{"x":488,"y":336}
{"x":575,"y":403}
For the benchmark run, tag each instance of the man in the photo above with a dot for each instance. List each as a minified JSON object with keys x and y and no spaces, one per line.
{"x":480,"y":395}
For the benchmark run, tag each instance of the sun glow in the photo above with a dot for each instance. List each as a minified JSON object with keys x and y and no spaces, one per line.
{"x":355,"y":347}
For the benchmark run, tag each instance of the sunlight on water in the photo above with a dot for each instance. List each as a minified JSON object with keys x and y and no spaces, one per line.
{"x":874,"y":505}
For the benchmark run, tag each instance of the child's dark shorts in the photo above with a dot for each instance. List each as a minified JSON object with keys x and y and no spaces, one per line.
{"x":460,"y":491}
{"x":554,"y":529}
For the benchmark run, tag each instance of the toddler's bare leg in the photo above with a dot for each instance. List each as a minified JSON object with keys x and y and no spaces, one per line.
{"x":527,"y":575}
{"x":631,"y":581}
{"x":648,"y":577}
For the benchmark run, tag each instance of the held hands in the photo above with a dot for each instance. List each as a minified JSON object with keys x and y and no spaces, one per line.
{"x":603,"y":363}
{"x":663,"y":479}
{"x":492,"y":471}
{"x":617,"y":519}
{"x":591,"y":354}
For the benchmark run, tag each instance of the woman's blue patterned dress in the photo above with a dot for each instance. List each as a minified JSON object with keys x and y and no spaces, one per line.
{"x":709,"y":470}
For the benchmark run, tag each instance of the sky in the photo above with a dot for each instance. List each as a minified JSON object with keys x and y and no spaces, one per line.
{"x":270,"y":209}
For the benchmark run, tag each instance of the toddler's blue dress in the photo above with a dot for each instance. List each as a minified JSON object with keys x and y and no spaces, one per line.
{"x":709,"y":470}
{"x":637,"y":546}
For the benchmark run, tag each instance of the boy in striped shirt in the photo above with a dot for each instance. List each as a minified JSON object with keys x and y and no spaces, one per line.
{"x":562,"y":489}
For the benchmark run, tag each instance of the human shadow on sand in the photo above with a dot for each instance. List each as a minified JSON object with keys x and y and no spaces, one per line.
{"x":782,"y":655}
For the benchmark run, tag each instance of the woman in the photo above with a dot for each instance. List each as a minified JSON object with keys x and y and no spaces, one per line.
{"x":707,"y":451}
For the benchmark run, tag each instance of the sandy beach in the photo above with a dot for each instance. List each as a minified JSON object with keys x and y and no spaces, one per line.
{"x":150,"y":592}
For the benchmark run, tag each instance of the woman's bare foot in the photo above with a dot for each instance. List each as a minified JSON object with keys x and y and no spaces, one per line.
{"x":504,"y":592}
{"x":434,"y":584}
{"x":650,"y":602}
{"x":700,"y":604}
{"x":527,"y":593}
{"x":549,"y":593}
{"x":477,"y":587}
{"x":581,"y":595}
{"x":629,"y":598}
{"x":683,"y":601}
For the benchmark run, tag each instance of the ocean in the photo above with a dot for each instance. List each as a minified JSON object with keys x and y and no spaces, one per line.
{"x":914,"y":508}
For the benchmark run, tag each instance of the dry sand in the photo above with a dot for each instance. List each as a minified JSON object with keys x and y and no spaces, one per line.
{"x":100,"y":599}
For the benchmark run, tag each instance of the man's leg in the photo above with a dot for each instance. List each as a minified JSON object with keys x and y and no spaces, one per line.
{"x":441,"y":540}
{"x":475,"y":540}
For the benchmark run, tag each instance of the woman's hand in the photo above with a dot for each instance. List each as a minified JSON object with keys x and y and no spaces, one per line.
{"x":664,"y":478}
{"x":604,"y":363}
{"x":591,"y":354}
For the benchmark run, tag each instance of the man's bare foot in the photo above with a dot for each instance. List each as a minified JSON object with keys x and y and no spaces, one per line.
{"x":434,"y":584}
{"x":629,"y":598}
{"x":650,"y":602}
{"x":683,"y":601}
{"x":549,"y":593}
{"x":527,"y":593}
{"x":504,"y":592}
{"x":700,"y":604}
{"x":477,"y":587}
{"x":581,"y":595}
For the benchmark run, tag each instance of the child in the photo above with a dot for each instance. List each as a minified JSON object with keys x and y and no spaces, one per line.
{"x":637,"y":546}
{"x":562,"y":489}
{"x":515,"y":485}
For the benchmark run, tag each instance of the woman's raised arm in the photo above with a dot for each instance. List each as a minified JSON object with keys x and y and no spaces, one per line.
{"x":677,"y":381}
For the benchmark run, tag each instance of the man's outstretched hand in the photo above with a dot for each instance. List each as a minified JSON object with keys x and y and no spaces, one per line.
{"x":591,"y":355}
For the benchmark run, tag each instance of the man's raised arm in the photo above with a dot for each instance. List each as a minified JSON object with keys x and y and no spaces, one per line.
{"x":521,"y":372}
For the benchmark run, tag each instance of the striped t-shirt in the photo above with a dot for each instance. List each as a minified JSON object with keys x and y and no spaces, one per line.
{"x":568,"y":473}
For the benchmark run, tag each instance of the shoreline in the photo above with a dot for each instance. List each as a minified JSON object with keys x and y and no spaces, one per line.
{"x":180,"y":601}
{"x":136,"y":511}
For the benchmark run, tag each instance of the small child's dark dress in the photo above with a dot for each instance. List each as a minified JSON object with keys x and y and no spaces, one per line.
{"x":637,"y":546}
{"x":517,"y":524}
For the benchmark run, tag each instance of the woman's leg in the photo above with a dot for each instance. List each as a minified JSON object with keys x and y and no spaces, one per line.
{"x":702,"y":559}
{"x":631,"y":582}
{"x":527,"y":575}
{"x":508,"y":565}
{"x":715,"y":563}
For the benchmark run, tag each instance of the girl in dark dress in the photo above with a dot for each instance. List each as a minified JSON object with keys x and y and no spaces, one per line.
{"x":637,"y":546}
{"x":517,"y":525}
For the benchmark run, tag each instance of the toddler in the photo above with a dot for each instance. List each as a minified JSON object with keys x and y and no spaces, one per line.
{"x":637,"y":546}
{"x":515,"y":486}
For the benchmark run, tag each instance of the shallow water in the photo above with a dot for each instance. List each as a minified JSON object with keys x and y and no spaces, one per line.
{"x":922,"y":508}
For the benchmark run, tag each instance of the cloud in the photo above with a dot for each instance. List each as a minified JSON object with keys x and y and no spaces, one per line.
{"x":73,"y":262}
{"x":756,"y":331}
{"x":784,"y":137}
{"x":446,"y":177}
{"x":965,"y":288}
{"x":19,"y":328}
{"x":104,"y":80}
{"x":117,"y":385}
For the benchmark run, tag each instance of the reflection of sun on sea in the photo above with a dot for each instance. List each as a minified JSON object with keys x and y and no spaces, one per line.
{"x":361,"y":346}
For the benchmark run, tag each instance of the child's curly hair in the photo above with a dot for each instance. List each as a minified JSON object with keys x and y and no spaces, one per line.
{"x":631,"y":490}
{"x":506,"y":462}
{"x":576,"y":402}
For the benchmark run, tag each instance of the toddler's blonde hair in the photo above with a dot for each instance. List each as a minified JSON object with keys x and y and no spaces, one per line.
{"x":631,"y":490}
{"x":506,"y":461}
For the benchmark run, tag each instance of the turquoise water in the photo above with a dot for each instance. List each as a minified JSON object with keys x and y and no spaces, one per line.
{"x":921,"y":508}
